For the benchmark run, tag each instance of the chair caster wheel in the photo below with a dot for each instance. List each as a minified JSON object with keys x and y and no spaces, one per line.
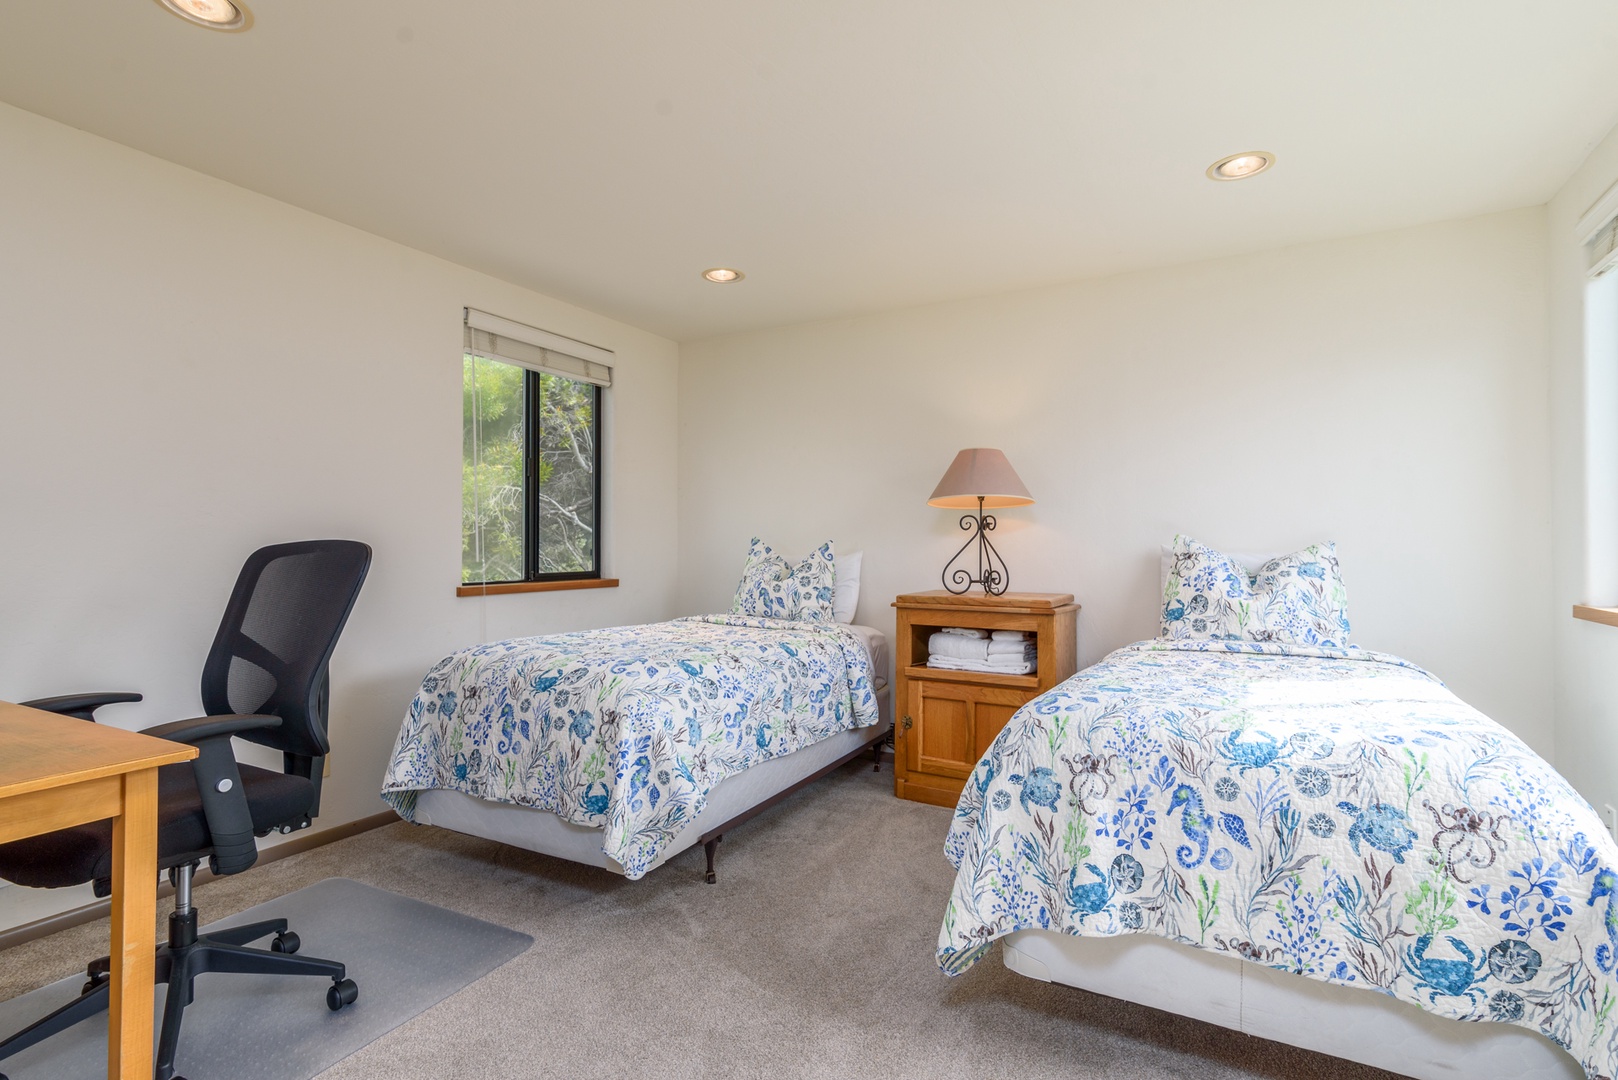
{"x":286,"y":942}
{"x":340,"y":993}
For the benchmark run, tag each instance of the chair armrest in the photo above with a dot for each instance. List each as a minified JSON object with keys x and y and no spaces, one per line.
{"x":80,"y":706}
{"x":219,"y":782}
{"x":199,"y":728}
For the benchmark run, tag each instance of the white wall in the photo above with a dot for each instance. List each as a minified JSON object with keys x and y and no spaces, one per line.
{"x":190,"y":371}
{"x":1584,"y":419}
{"x":1389,"y":392}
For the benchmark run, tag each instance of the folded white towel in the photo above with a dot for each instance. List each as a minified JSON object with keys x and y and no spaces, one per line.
{"x":962,"y":631}
{"x":955,"y":647}
{"x":1012,"y":666}
{"x":1009,"y":647}
{"x":1010,"y":635}
{"x":960,"y":648}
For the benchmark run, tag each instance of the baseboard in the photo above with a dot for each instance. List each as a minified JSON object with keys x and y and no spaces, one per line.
{"x":100,"y":909}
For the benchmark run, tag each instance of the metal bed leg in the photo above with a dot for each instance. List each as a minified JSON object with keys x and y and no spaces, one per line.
{"x":711,"y":847}
{"x":710,"y":843}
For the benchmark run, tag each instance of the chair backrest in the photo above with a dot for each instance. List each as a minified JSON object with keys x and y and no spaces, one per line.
{"x":284,"y":618}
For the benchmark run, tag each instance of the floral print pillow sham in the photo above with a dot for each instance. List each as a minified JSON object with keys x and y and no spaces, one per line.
{"x":1296,"y":599}
{"x":1305,"y":600}
{"x":773,"y":589}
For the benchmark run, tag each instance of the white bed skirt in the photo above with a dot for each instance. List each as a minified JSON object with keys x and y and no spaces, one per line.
{"x":1342,"y":1021}
{"x":544,"y":832}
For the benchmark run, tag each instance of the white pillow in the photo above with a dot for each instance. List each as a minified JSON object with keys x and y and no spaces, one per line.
{"x":846,"y":596}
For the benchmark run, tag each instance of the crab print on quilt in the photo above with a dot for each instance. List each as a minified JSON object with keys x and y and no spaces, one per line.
{"x":627,"y":729}
{"x":1334,"y":813}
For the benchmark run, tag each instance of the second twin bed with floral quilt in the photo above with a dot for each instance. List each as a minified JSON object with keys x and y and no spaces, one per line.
{"x":1317,"y":809}
{"x":623,"y":746}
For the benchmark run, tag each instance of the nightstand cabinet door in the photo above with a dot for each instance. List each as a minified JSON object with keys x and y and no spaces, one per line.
{"x":952,"y":724}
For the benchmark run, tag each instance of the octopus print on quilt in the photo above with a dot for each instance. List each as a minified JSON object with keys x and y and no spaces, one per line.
{"x":1334,"y":813}
{"x":627,"y":729}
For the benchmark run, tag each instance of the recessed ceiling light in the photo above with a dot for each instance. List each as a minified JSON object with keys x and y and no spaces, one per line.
{"x":214,"y":14}
{"x":1241,"y":166}
{"x":723,"y":275}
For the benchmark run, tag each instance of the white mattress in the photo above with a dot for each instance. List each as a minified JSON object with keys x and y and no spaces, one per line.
{"x":1337,"y":1020}
{"x":876,"y":644}
{"x":544,"y":832}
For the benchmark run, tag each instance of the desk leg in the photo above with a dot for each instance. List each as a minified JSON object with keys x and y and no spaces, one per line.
{"x":134,"y":913}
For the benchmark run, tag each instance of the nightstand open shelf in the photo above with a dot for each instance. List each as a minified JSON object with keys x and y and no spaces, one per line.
{"x":948,"y":718}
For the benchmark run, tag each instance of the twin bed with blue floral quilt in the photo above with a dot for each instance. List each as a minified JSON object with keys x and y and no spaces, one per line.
{"x":623,"y":747}
{"x":1251,"y":822}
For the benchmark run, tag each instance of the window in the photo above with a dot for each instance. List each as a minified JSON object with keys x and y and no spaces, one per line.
{"x":1599,"y":231}
{"x":530,"y":454}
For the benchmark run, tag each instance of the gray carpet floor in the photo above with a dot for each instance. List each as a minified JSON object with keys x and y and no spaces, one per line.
{"x":812,"y":957}
{"x":407,"y":956}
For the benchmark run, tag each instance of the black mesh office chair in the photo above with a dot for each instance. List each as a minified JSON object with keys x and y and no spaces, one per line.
{"x":264,"y":681}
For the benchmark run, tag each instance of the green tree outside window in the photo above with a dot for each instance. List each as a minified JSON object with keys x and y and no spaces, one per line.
{"x":529,"y":465}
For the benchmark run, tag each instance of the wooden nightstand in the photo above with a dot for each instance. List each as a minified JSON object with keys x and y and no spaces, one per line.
{"x":947,"y":719}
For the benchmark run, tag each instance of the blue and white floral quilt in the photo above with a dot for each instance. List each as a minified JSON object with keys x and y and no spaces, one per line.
{"x":627,"y":729}
{"x":1335,"y":813}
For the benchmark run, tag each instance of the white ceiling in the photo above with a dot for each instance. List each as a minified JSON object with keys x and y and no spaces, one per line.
{"x":849,"y":155}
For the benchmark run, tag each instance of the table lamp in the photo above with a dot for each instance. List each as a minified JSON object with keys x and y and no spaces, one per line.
{"x":982,"y":479}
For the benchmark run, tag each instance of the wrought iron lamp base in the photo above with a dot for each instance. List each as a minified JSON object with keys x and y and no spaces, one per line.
{"x":993,"y":575}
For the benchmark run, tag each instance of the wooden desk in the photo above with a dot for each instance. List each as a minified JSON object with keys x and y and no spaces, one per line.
{"x":56,"y":772}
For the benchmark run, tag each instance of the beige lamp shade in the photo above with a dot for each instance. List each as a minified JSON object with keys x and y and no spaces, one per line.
{"x":980,"y":473}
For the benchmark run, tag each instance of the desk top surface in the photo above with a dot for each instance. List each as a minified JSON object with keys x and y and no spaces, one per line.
{"x":40,"y":750}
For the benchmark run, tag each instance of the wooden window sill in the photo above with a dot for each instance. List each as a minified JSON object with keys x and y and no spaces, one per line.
{"x":1596,"y":614}
{"x":535,"y":586}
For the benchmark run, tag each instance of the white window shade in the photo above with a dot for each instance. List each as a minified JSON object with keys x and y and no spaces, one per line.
{"x":1601,"y":250}
{"x":1597,"y":230}
{"x":539,"y":350}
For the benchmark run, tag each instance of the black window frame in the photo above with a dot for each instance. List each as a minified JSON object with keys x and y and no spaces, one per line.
{"x":532,"y":402}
